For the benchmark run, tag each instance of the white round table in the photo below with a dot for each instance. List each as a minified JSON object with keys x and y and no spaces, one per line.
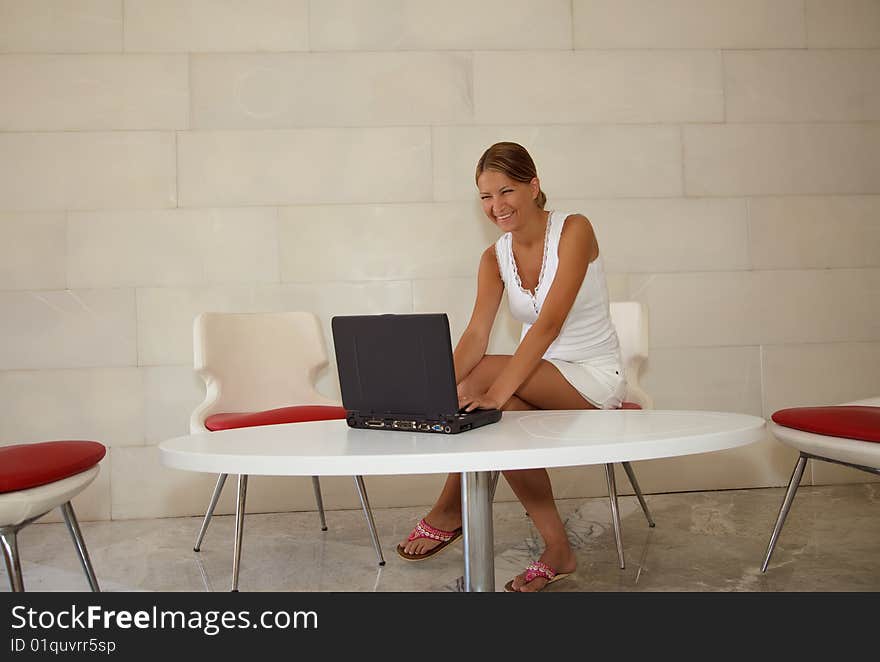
{"x":520,"y":440}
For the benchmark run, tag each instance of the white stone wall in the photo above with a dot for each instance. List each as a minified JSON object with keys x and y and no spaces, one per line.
{"x":159,"y":158}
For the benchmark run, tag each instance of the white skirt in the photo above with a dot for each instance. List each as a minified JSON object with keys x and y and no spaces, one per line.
{"x":600,"y":381}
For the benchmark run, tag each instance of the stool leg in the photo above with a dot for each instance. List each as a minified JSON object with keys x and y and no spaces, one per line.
{"x":368,"y":513}
{"x":615,"y":514}
{"x":316,"y":484}
{"x":635,"y":484}
{"x":239,"y":529}
{"x":82,"y":552}
{"x":786,"y":505}
{"x":6,"y":559}
{"x":218,"y":488}
{"x":9,"y":542}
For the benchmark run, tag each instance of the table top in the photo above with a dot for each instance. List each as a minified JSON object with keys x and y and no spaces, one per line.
{"x":520,"y":440}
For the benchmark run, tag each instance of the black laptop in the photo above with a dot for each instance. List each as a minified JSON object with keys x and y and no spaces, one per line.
{"x":396,"y":373}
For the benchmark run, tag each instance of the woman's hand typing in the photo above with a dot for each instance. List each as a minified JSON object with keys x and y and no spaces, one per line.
{"x":471,"y":402}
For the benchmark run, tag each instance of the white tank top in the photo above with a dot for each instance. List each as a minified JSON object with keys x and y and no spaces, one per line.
{"x":587,"y":332}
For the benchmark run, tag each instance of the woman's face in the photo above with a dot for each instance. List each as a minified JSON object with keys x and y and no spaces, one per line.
{"x":506,"y":201}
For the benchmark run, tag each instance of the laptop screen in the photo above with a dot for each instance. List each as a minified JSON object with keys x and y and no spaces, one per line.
{"x":395,"y":364}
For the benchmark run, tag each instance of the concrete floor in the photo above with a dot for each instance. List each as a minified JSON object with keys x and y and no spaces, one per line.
{"x":703,"y":541}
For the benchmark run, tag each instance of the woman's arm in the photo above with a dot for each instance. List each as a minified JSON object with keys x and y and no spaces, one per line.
{"x":472,"y":345}
{"x":577,"y":248}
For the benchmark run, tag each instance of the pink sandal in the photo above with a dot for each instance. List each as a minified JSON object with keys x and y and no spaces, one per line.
{"x":538,"y":569}
{"x":425,"y":530}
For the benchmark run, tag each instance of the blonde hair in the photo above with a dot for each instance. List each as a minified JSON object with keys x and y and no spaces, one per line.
{"x":513,"y":160}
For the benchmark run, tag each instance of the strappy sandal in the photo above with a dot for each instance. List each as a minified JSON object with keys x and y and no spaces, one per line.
{"x":425,"y":530}
{"x":538,"y":569}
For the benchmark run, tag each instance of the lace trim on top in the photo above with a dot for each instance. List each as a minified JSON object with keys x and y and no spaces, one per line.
{"x":498,"y":260}
{"x":532,"y":296}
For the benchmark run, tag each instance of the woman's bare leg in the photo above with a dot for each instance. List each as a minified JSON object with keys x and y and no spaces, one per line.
{"x":545,"y":388}
{"x":446,"y":513}
{"x":532,"y":488}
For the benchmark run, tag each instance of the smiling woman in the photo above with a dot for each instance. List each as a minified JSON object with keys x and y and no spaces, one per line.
{"x":513,"y":161}
{"x":568,"y":356}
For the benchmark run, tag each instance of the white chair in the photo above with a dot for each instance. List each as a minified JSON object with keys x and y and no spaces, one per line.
{"x":844,"y":434}
{"x":260,"y":369}
{"x":630,"y":319}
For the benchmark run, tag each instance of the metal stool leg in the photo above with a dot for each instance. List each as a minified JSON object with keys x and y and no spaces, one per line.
{"x":221,"y":481}
{"x":239,"y":529}
{"x":793,"y":484}
{"x":368,"y":513}
{"x":615,"y":514}
{"x":82,"y":552}
{"x":7,"y":558}
{"x":635,"y":484}
{"x":9,"y":543}
{"x":320,"y":501}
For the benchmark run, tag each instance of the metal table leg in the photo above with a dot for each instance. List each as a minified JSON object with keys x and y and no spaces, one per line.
{"x":479,"y":543}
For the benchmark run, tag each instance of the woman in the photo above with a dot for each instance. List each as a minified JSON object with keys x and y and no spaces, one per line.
{"x":568,"y":356}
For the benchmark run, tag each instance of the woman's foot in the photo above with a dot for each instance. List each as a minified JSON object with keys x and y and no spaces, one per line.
{"x":440,"y":525}
{"x":561,"y":560}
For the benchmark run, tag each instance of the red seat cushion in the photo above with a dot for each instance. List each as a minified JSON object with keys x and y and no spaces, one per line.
{"x":630,"y":405}
{"x":850,"y":421}
{"x":23,"y":466}
{"x":298,"y":414}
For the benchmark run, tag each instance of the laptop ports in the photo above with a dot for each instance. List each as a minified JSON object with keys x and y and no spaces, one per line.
{"x":437,"y":428}
{"x":424,"y":427}
{"x":404,"y":425}
{"x":375,"y":423}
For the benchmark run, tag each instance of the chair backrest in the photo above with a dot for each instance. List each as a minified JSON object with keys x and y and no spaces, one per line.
{"x":257,"y":361}
{"x":630,"y":319}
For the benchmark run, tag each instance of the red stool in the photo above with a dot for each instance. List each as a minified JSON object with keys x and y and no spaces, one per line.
{"x":845,"y":434}
{"x":34,"y":479}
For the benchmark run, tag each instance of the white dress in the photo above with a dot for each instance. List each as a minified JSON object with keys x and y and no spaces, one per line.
{"x":586,"y":351}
